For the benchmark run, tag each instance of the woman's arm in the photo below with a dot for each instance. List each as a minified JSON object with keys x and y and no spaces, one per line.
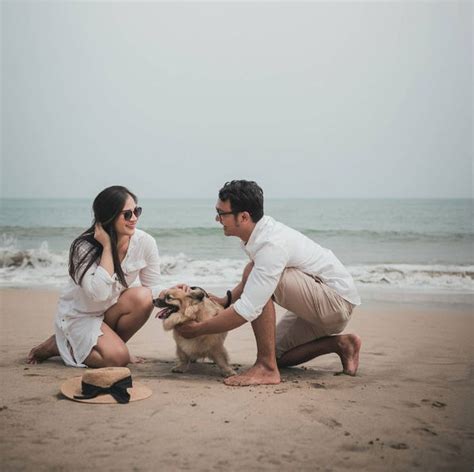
{"x":99,"y":281}
{"x":106,"y":260}
{"x":150,"y":275}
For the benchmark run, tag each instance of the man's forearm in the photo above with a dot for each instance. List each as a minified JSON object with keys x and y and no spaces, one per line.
{"x":237,"y":292}
{"x":226,"y":320}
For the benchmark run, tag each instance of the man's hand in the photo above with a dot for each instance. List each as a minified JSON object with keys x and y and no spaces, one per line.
{"x":190,"y":329}
{"x":222,"y":301}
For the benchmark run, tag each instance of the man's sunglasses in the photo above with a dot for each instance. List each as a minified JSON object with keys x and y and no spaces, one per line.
{"x":220,"y":214}
{"x":127,"y":214}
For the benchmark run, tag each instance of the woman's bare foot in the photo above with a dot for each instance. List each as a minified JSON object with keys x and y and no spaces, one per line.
{"x":44,"y":351}
{"x":349,"y":347}
{"x":256,"y":375}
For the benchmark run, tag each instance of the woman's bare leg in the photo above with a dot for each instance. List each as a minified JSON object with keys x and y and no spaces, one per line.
{"x":126,"y":317}
{"x":130,"y":313}
{"x":110,"y":351}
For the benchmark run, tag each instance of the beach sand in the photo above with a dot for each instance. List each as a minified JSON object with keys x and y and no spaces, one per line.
{"x":409,"y":408}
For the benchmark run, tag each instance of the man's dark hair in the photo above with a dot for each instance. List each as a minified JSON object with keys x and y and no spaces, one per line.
{"x":244,"y":195}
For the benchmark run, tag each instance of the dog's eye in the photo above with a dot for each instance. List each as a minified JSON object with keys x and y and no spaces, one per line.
{"x":169,"y":297}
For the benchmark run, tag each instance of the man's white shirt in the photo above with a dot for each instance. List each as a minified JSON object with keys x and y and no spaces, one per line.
{"x":273,"y":247}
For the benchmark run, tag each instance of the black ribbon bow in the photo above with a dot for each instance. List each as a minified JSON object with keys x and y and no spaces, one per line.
{"x":118,"y":390}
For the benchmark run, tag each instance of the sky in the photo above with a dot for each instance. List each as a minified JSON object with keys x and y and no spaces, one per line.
{"x":323,"y":99}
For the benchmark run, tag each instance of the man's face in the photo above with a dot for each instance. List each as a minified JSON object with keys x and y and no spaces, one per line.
{"x":228,"y":220}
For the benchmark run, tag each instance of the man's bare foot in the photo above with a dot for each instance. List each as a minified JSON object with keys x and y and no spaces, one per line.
{"x":349,"y":347}
{"x":256,"y":375}
{"x":44,"y":351}
{"x":136,"y":359}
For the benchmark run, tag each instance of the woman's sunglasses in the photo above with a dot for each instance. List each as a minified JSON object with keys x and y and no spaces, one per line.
{"x":127,"y":214}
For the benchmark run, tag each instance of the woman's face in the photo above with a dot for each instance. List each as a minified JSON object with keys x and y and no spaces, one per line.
{"x":122,"y":226}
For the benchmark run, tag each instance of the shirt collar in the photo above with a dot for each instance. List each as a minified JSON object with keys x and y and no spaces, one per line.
{"x":257,"y":231}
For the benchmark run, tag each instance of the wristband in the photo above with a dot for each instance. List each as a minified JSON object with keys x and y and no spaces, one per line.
{"x":229,"y":299}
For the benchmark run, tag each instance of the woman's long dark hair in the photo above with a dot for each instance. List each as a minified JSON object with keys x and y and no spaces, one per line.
{"x":85,"y":250}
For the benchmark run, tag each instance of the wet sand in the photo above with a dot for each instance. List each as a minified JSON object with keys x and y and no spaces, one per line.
{"x":409,"y":408}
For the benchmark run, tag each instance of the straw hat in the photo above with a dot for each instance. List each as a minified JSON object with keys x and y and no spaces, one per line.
{"x":106,"y":385}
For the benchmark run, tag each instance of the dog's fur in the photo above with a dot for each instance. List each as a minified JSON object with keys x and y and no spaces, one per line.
{"x":195,"y":305}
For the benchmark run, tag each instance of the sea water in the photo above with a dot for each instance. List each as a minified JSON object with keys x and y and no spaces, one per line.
{"x":414,"y":245}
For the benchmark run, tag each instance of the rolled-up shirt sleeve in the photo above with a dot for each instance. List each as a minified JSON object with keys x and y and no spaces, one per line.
{"x":269,"y":263}
{"x":98,"y":284}
{"x":150,"y":275}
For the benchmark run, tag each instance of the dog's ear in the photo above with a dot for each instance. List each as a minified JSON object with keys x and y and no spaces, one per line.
{"x":197,"y":293}
{"x":191,"y":312}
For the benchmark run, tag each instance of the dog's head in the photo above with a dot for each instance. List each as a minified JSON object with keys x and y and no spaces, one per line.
{"x":177,"y":300}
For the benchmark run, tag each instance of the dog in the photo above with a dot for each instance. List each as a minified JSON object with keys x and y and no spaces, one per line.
{"x":179,"y":307}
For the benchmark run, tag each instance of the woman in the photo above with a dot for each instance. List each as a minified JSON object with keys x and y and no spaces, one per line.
{"x":100,"y":310}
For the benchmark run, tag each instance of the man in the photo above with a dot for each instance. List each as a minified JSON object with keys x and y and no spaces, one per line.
{"x":295,"y":272}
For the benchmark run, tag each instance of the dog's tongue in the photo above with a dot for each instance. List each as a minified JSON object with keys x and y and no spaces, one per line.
{"x":162,"y":313}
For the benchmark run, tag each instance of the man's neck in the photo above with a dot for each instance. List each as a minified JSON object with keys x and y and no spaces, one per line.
{"x":245,"y":236}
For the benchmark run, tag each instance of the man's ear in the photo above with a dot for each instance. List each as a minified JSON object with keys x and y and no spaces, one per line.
{"x":246,"y":216}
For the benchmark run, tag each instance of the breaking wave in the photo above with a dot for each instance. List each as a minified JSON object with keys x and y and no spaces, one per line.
{"x":42,"y":267}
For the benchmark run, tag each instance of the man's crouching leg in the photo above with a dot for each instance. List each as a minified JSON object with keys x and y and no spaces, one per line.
{"x":346,"y":346}
{"x":265,"y":370}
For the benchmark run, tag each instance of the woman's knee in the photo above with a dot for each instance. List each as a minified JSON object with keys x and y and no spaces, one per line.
{"x":139,"y":297}
{"x":119,"y":357}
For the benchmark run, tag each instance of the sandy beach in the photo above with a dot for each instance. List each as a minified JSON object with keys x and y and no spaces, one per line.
{"x":409,"y":408}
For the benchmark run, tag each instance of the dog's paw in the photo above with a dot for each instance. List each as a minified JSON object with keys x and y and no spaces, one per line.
{"x":179,"y":369}
{"x":228,"y":373}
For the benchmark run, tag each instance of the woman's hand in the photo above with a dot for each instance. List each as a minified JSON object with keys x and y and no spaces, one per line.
{"x":101,"y":236}
{"x":184,"y":287}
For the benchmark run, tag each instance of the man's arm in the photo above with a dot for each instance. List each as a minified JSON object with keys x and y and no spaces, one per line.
{"x":226,"y":320}
{"x":236,"y":292}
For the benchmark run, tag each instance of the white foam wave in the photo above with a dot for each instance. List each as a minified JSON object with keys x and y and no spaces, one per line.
{"x":43,"y":268}
{"x":444,"y":277}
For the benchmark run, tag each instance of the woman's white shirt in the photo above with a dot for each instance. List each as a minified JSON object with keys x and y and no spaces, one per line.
{"x":81,"y":308}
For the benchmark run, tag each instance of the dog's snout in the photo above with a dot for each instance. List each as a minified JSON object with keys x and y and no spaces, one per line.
{"x":159,"y":302}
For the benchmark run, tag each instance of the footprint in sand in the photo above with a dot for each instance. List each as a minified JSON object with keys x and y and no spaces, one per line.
{"x":33,"y":400}
{"x":399,"y":446}
{"x":411,"y":404}
{"x":435,"y":403}
{"x":317,"y":385}
{"x":331,"y":422}
{"x":426,"y":431}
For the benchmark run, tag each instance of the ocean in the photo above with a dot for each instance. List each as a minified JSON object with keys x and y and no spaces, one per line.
{"x":407,"y":244}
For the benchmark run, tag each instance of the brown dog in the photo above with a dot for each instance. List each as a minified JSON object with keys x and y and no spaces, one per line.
{"x":179,"y":307}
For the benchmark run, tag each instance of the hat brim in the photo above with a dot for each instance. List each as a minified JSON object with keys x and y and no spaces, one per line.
{"x":74,"y":387}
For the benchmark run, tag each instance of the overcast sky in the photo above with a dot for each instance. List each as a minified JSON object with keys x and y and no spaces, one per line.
{"x":173,"y":99}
